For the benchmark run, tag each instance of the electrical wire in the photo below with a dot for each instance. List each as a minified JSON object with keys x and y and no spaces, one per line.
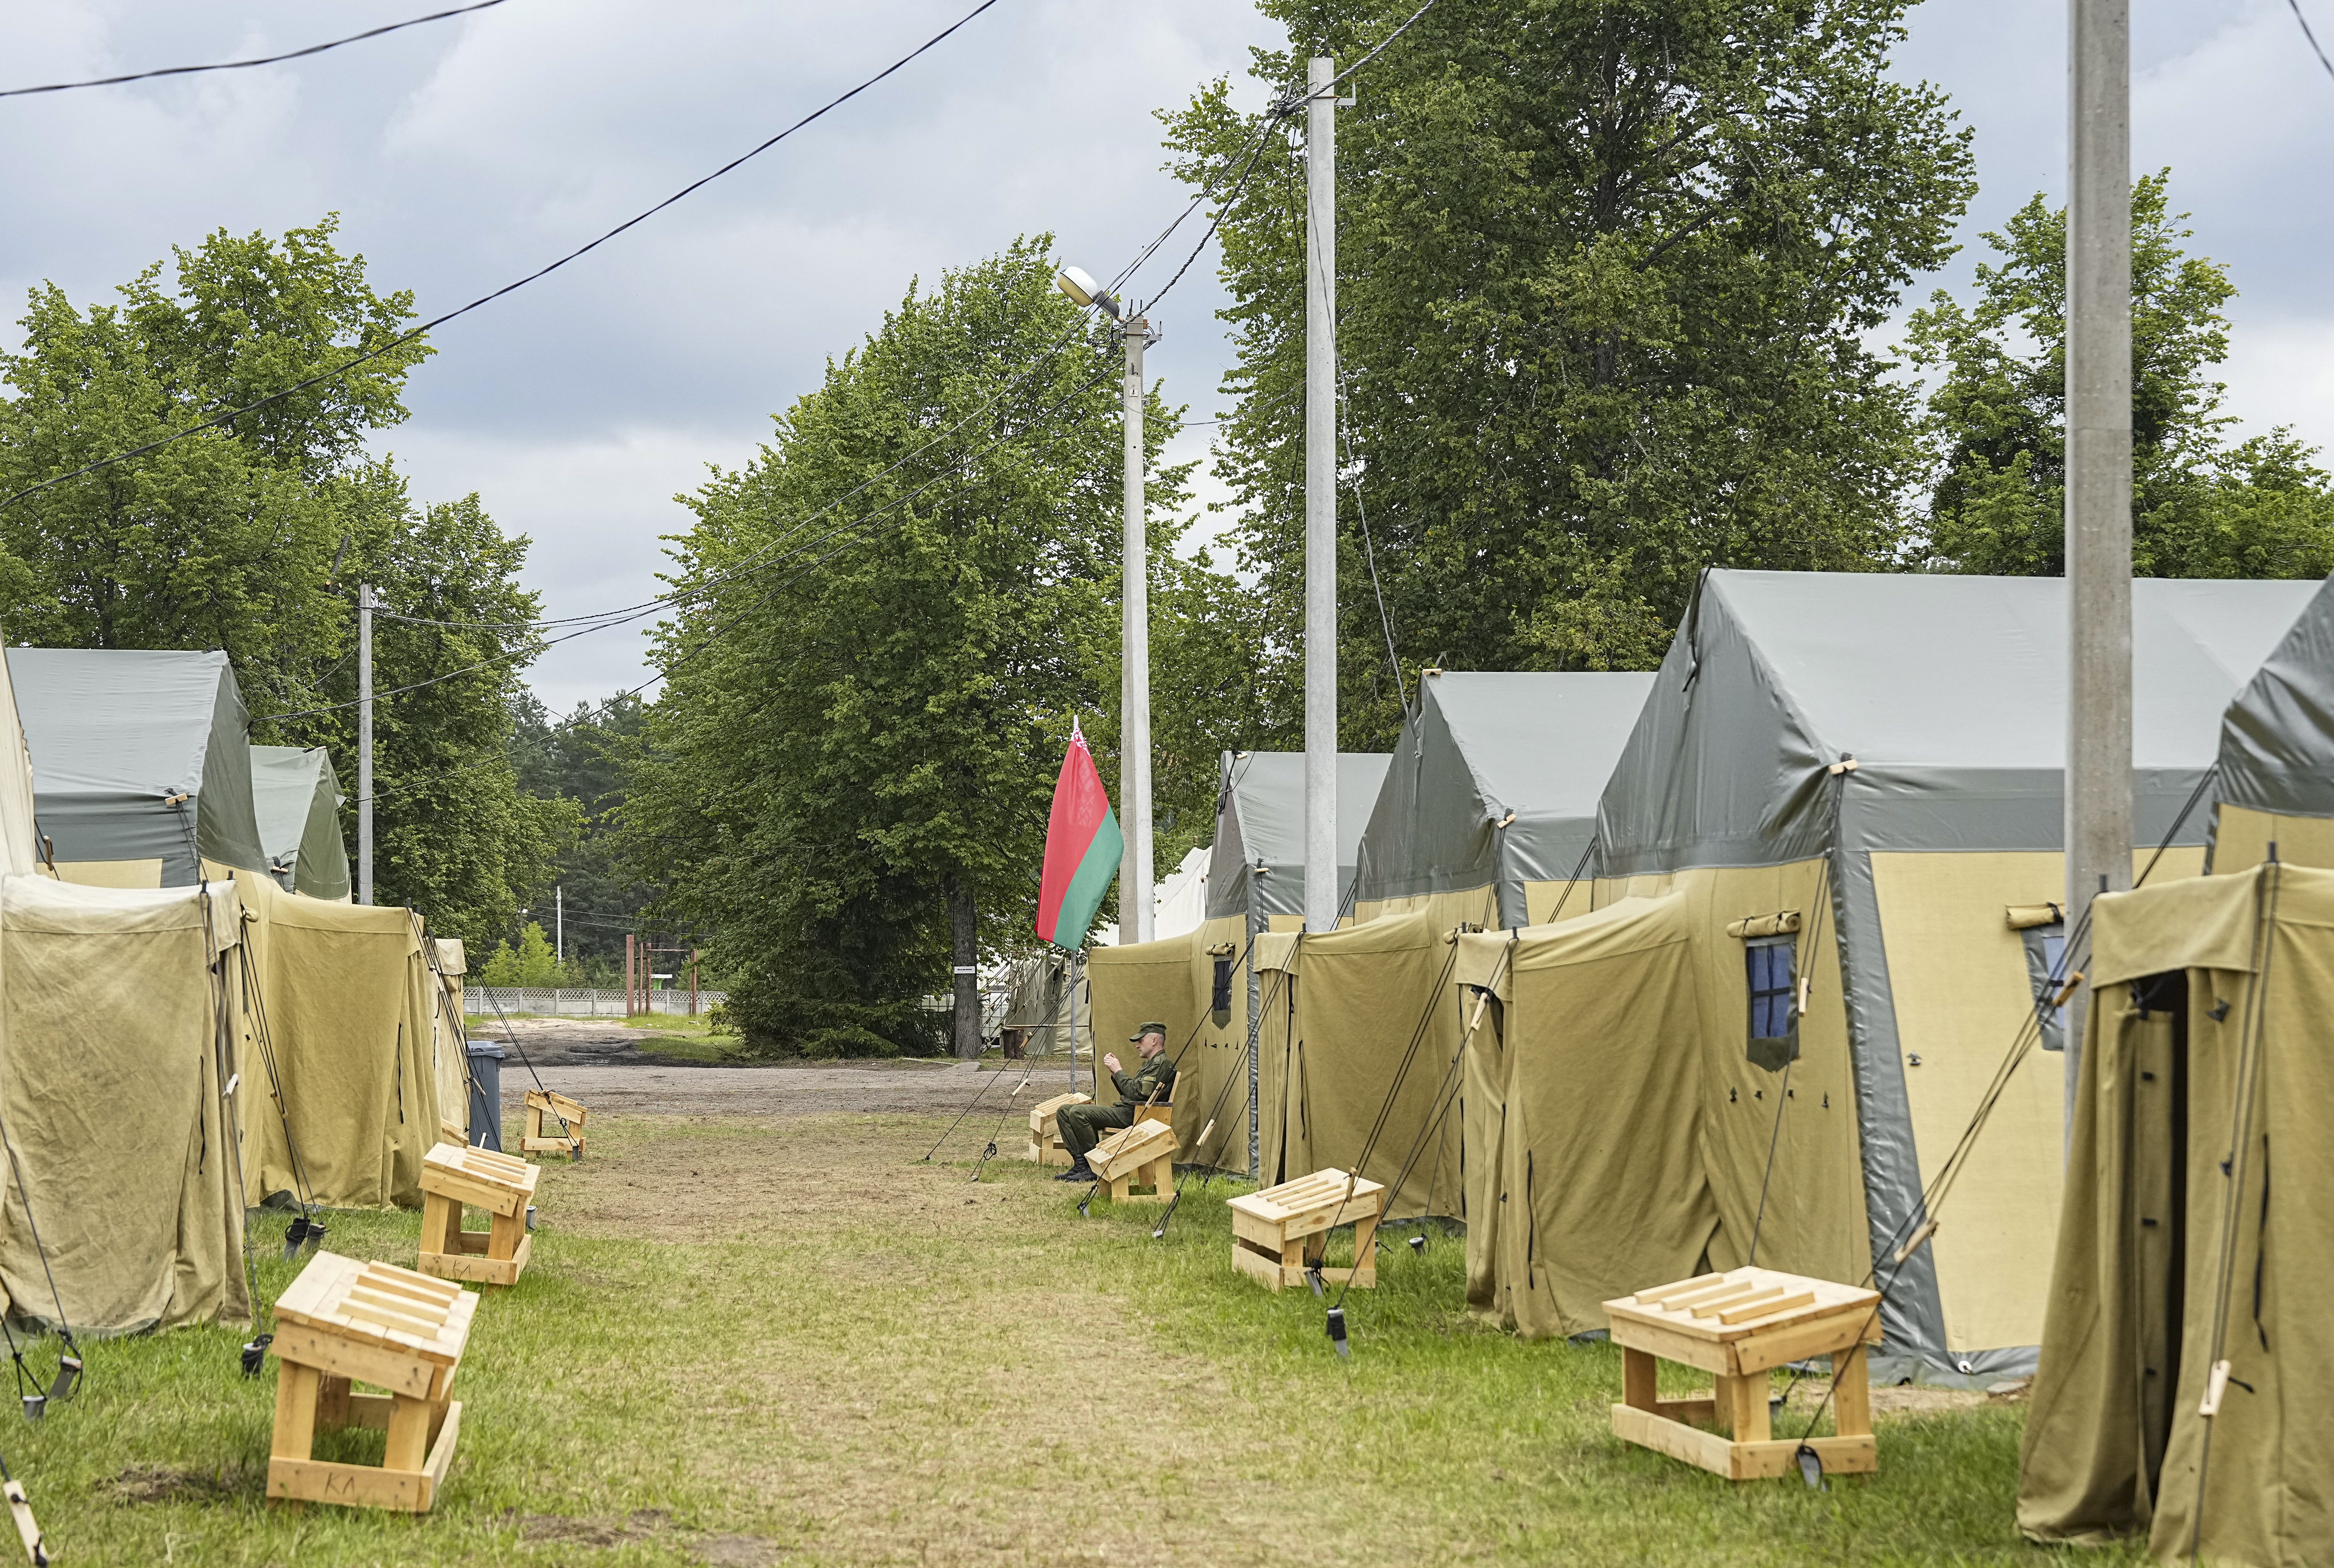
{"x":393,"y":344}
{"x":2315,"y":48}
{"x":247,"y":64}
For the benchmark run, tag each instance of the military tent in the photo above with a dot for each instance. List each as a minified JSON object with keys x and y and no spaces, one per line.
{"x":1902,"y":903}
{"x":1359,"y":1059}
{"x":1194,"y":984}
{"x":141,"y":764}
{"x":1582,"y":1106}
{"x":1256,"y":869}
{"x":342,"y":998}
{"x":2276,"y":778}
{"x":117,"y":1063}
{"x":297,"y":799}
{"x":2184,"y":1279}
{"x":1490,"y":805}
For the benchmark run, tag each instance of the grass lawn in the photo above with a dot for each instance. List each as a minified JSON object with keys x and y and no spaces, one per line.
{"x":748,"y":1342}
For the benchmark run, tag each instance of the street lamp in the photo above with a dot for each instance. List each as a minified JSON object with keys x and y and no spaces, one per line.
{"x":1134,"y":911}
{"x":1075,"y":282}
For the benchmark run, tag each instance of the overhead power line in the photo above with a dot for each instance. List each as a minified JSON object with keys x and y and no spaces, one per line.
{"x":435,"y":322}
{"x":247,"y":64}
{"x":2315,"y":48}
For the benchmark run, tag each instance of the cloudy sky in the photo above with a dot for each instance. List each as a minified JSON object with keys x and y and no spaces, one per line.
{"x":464,"y":154}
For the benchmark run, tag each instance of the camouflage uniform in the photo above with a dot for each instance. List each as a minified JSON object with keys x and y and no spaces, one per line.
{"x":1083,"y":1126}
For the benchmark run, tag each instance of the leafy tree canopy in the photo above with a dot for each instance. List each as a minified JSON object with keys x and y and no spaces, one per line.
{"x":1604,"y":277}
{"x":847,"y":778}
{"x":252,"y":539}
{"x":2201,"y":506}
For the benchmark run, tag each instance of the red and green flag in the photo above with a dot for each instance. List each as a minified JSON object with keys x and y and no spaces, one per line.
{"x":1083,"y":845}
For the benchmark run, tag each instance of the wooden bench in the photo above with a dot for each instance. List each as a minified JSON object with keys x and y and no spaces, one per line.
{"x":344,"y":1321}
{"x":1281,"y":1233}
{"x":1044,"y":1137}
{"x":1136,"y":1164}
{"x":568,"y":1139}
{"x":1739,"y":1326}
{"x":455,"y":1177}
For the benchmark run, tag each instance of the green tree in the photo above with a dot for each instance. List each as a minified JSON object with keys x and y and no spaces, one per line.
{"x":846,"y":780}
{"x":1606,"y":274}
{"x":252,"y":539}
{"x":580,"y":759}
{"x":2202,"y":506}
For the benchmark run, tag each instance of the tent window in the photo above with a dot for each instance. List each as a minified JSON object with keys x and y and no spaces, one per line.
{"x":1774,"y":1009}
{"x":1220,"y":998}
{"x":2046,"y":948}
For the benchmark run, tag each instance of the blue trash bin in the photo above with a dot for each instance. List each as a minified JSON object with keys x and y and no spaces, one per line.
{"x":487,"y":1095}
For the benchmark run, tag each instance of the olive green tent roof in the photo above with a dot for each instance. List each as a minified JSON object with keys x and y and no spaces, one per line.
{"x":2204,"y":1065}
{"x":2277,"y":738}
{"x":297,"y":801}
{"x":139,"y":756}
{"x":1495,"y":782}
{"x":1256,"y":867}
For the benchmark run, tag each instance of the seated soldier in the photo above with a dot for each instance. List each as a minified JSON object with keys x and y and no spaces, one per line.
{"x":1082,"y":1126}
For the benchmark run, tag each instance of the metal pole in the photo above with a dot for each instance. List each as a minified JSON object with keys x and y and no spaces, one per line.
{"x":1321,"y":501}
{"x":627,"y":974}
{"x":2099,"y":469}
{"x":1134,"y":912}
{"x":364,"y":742}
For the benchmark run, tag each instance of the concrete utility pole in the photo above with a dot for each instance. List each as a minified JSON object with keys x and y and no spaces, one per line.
{"x":1321,"y":500}
{"x":1134,"y":911}
{"x":559,"y":921}
{"x":2099,"y":469}
{"x":364,"y":742}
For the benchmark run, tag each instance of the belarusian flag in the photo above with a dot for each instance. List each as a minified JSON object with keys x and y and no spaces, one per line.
{"x":1083,"y":844}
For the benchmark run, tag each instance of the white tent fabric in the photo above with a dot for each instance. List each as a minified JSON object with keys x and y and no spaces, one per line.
{"x":1180,"y":904}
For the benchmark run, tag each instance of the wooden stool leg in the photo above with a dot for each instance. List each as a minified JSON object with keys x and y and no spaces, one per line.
{"x":1743,"y":1401}
{"x":1638,"y":1387}
{"x":332,"y":1401}
{"x":1851,"y":1394}
{"x":295,"y":1412}
{"x":509,"y":1230}
{"x":441,"y":1222}
{"x":409,"y":1435}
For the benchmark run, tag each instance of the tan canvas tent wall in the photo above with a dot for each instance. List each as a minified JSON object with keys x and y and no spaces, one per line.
{"x":1179,"y":981}
{"x":117,"y":1054}
{"x":2205,"y":1068}
{"x":1587,"y":1173}
{"x":343,"y":993}
{"x":1949,"y":694}
{"x":1343,"y":1011}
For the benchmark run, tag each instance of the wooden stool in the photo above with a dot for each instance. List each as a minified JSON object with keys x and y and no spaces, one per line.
{"x":1142,"y":1155}
{"x":453,"y":1176}
{"x":1281,"y":1232}
{"x":376,"y":1324}
{"x":1044,"y":1137}
{"x":1739,"y":1326}
{"x":540,"y":1101}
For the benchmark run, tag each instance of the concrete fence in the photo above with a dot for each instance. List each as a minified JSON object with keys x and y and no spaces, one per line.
{"x":480,"y":1001}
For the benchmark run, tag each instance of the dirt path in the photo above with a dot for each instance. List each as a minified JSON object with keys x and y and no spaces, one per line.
{"x":646,"y":1084}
